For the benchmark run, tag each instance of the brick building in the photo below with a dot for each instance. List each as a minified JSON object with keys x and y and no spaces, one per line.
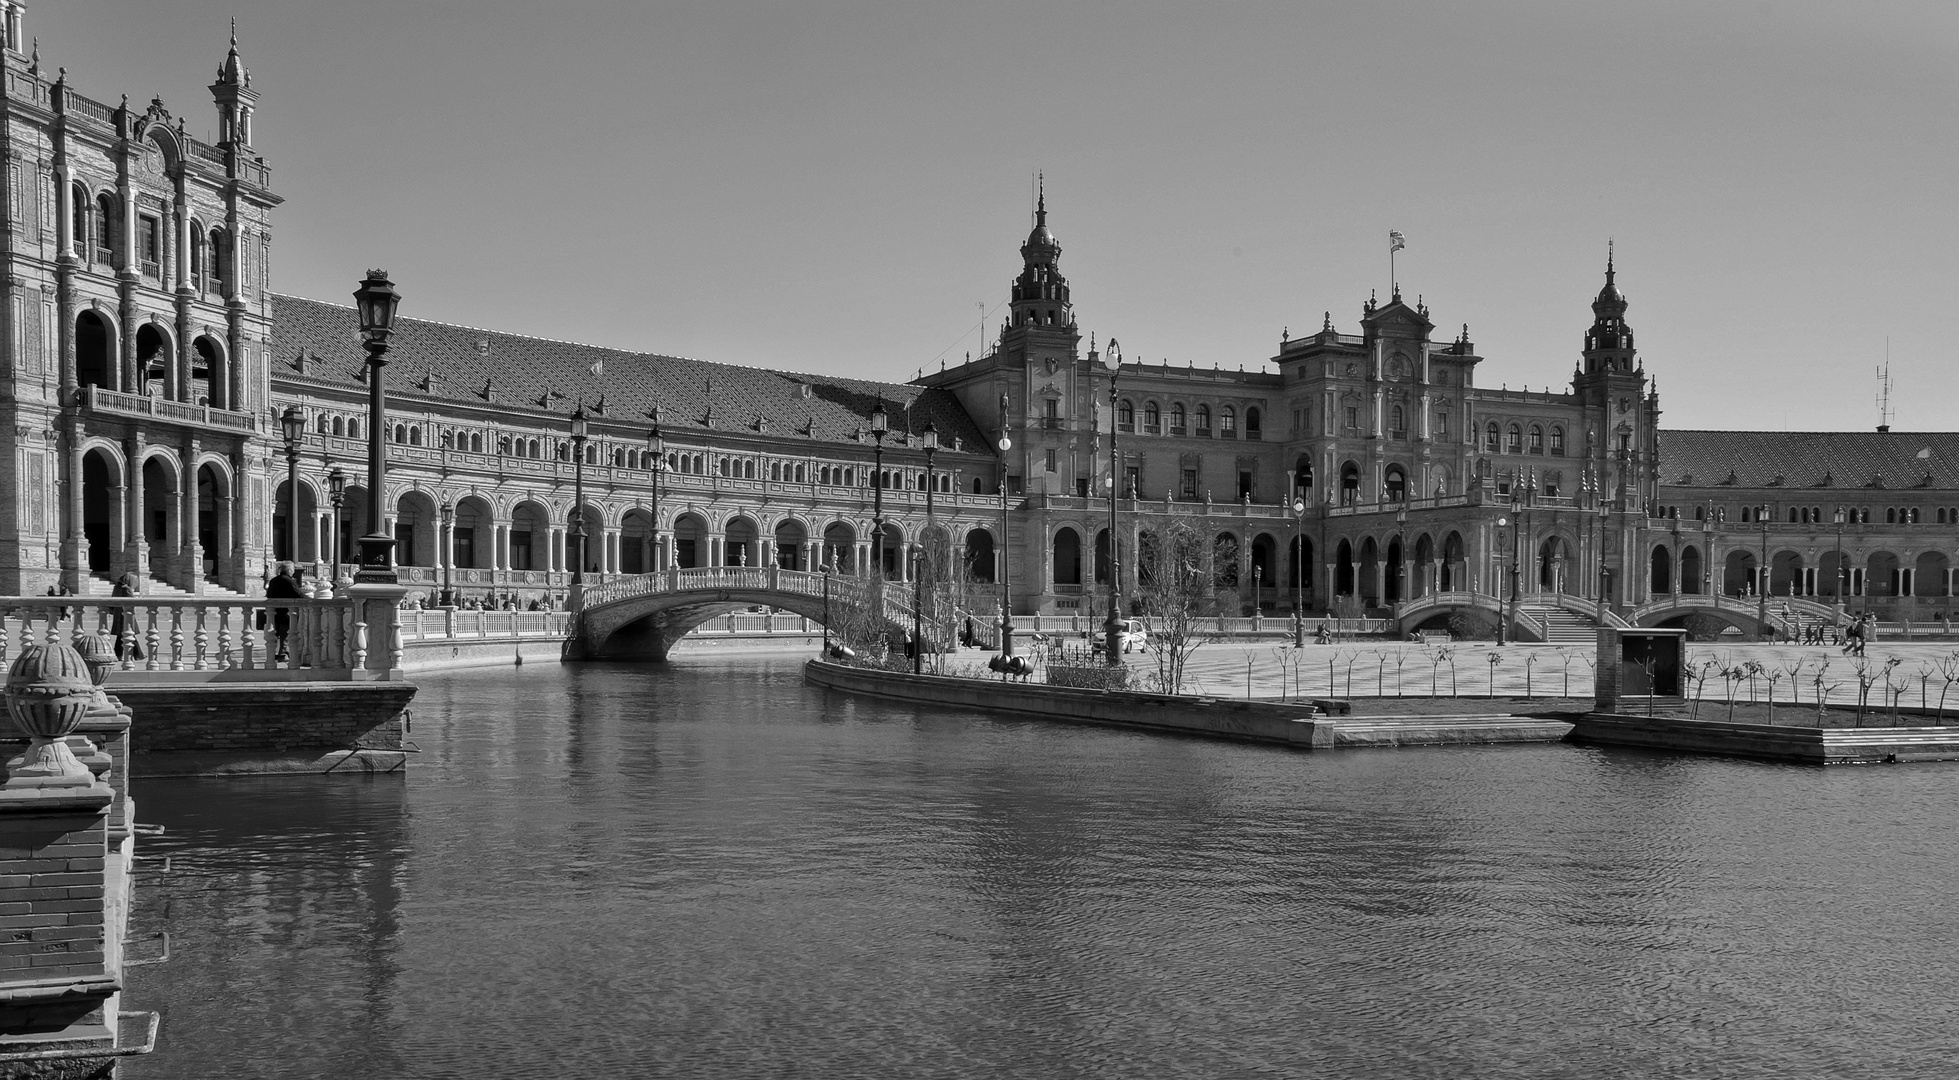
{"x":148,"y":361}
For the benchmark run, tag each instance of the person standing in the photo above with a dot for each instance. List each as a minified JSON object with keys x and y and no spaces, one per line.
{"x":126,"y":585}
{"x":282,"y":587}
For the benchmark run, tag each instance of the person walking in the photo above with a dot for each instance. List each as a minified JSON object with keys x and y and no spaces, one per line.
{"x":282,"y":587}
{"x":126,"y":585}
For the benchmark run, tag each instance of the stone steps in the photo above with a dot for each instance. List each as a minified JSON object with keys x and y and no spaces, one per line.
{"x":1562,"y":627}
{"x":96,"y":585}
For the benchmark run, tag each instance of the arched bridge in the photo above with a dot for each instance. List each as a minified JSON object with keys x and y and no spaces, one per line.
{"x":1737,"y":611}
{"x":641,"y":616}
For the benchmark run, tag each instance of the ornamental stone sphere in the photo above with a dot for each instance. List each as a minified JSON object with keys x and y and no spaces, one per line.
{"x":49,"y":690}
{"x":99,"y":653}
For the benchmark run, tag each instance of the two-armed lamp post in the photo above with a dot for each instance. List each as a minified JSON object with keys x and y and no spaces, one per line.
{"x":376,"y":300}
{"x":656,"y":445}
{"x":880,"y":427}
{"x":1006,"y":544}
{"x":1298,"y":567}
{"x":445,"y":549}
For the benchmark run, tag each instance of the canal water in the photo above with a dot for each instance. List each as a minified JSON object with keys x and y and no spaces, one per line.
{"x":707,"y":869}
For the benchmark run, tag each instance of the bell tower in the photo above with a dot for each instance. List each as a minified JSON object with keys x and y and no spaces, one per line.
{"x":235,"y":98}
{"x":1609,"y":343}
{"x":1040,"y":309}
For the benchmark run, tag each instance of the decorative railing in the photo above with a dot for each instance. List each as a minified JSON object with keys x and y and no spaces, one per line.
{"x":454,"y":624}
{"x":844,"y":589}
{"x":114,"y":401}
{"x":233,"y":638}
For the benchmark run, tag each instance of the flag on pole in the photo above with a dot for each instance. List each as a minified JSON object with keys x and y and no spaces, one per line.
{"x":598,"y":366}
{"x":1396,"y":241}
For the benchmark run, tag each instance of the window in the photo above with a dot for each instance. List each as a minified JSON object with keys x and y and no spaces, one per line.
{"x":218,"y":263}
{"x":1228,"y":422}
{"x":1203,"y":419}
{"x":1399,"y":423}
{"x":1514,"y":439}
{"x":105,"y":226}
{"x":1536,"y":439}
{"x":1050,"y":460}
{"x":1441,"y":425}
{"x":1132,"y":478}
{"x":1491,"y":438}
{"x":1353,"y":417}
{"x":1126,"y":416}
{"x":1152,"y":419}
{"x":1252,"y":430}
{"x":1190,"y":484}
{"x":1177,"y":418}
{"x":1557,"y":442}
{"x":150,"y":235}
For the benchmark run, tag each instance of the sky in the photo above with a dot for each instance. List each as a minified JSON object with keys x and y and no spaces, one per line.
{"x":839,"y":187}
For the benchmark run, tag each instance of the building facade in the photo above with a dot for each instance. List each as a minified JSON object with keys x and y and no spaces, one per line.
{"x":1367,"y":468}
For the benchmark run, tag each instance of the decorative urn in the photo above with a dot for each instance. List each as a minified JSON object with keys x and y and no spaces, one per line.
{"x":49,"y":689}
{"x":98,"y":651}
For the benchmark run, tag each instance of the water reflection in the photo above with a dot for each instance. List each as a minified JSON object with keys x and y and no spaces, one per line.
{"x":711,"y":870}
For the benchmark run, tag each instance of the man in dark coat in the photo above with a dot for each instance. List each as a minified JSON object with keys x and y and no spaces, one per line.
{"x":282,"y":587}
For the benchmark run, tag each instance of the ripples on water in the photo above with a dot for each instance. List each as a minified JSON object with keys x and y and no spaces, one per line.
{"x":711,"y":870}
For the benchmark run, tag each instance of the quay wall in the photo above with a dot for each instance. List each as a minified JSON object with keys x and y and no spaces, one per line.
{"x":1808,"y":745}
{"x":283,"y":716}
{"x":1225,"y":718}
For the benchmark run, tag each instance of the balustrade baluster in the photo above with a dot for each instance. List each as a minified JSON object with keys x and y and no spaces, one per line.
{"x":54,"y":626}
{"x":246,"y":622}
{"x":200,"y":638}
{"x":176,"y":639}
{"x":360,"y":646}
{"x":150,"y":640}
{"x":5,"y":614}
{"x":224,"y":639}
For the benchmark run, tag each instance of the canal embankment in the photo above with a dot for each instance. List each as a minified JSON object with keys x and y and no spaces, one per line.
{"x":1294,"y":724}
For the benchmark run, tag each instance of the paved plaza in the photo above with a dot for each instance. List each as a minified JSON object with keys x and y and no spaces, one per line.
{"x":1391,"y":669}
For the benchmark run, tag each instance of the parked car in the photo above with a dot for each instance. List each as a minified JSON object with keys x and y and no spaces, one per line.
{"x":1133,"y":636}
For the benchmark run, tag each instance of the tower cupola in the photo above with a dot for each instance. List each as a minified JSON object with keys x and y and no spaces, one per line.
{"x":1609,"y":343}
{"x":1040,"y":294}
{"x":235,"y":97}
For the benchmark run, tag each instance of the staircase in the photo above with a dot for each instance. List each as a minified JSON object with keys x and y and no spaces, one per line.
{"x":1562,"y":627}
{"x":97,"y":585}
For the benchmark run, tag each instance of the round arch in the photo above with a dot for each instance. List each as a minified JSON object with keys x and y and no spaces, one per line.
{"x":978,"y":555}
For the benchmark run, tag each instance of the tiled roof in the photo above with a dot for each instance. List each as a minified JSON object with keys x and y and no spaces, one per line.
{"x":1810,"y":459}
{"x":538,"y":375}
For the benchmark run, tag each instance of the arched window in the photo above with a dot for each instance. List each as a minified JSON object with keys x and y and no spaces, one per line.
{"x":476,"y":442}
{"x":1152,"y":418}
{"x":1795,"y":515}
{"x":1126,"y":416}
{"x":414,"y":436}
{"x":1557,"y":441}
{"x":1890,"y":515}
{"x":1252,"y":430}
{"x":1227,"y":421}
{"x":1514,"y":439}
{"x":1398,"y":422}
{"x":1914,"y":515}
{"x":1536,"y":439}
{"x":448,"y":440}
{"x":219,"y":267}
{"x":1203,"y":419}
{"x":78,"y":219}
{"x":1177,"y":418}
{"x":196,"y":251}
{"x":503,"y":445}
{"x":325,"y":425}
{"x":353,"y":429}
{"x":1492,"y":438}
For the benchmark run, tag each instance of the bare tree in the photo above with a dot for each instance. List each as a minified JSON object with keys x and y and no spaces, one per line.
{"x":1172,"y":591}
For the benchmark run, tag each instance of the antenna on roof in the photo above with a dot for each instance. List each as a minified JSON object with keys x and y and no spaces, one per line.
{"x":1884,"y":389}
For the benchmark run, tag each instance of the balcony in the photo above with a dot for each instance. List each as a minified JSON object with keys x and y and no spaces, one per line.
{"x":1127,"y":427}
{"x":1177,"y":430}
{"x":1202,"y":433}
{"x":1152,"y":429}
{"x":99,"y":402}
{"x":1051,"y":423}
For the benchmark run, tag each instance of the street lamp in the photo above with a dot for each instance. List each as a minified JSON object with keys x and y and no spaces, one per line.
{"x":376,"y":301}
{"x":1516,"y":557}
{"x":827,"y":560}
{"x":1674,"y":513}
{"x":1401,"y":544}
{"x":1006,"y":545}
{"x":580,"y":431}
{"x":293,"y":426}
{"x":1112,"y":628}
{"x":1762,"y":572}
{"x":1298,"y":568}
{"x":880,"y":426}
{"x":930,"y":437}
{"x":1841,"y":570}
{"x":337,"y":492}
{"x":656,"y":445}
{"x":444,"y":550}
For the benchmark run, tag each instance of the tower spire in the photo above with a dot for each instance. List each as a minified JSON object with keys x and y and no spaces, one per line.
{"x":1041,"y":199}
{"x":1608,"y":260}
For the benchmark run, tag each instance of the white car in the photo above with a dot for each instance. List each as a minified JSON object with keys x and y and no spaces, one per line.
{"x":1133,"y":636}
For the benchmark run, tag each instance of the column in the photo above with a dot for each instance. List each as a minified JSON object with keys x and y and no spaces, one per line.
{"x":188,"y":527}
{"x":137,"y":537}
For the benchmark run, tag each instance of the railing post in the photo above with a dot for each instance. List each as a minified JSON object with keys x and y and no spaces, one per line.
{"x":378,"y":611}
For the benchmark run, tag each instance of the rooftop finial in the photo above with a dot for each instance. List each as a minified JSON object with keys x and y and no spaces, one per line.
{"x":1608,"y":260}
{"x":234,"y":31}
{"x":1041,"y":199}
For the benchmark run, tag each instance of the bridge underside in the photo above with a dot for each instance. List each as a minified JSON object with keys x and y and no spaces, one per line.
{"x":646,"y":628}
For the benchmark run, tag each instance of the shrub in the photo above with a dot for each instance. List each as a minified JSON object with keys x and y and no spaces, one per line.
{"x":1472,"y":626}
{"x":1704,"y":627}
{"x":1089,"y":676}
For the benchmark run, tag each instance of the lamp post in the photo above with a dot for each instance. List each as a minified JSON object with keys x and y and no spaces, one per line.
{"x":444,"y":550}
{"x":1762,"y":573}
{"x":1112,"y":627}
{"x":930,"y":437}
{"x":337,"y":492}
{"x":1841,"y":571}
{"x":293,"y":426}
{"x":1707,"y":555}
{"x":1006,"y":546}
{"x":1298,"y":568}
{"x":1674,"y":513}
{"x":1401,"y":545}
{"x":656,"y":445}
{"x":917,"y":612}
{"x":376,"y":301}
{"x":580,"y":431}
{"x":1516,"y":555}
{"x":880,"y":426}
